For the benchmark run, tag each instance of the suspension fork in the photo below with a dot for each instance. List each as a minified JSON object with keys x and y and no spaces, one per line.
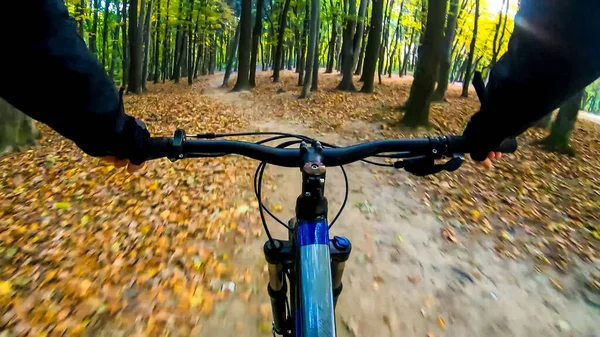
{"x":279,"y":256}
{"x":339,"y":248}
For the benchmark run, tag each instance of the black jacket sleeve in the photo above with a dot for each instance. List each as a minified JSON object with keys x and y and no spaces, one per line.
{"x":553,"y":53}
{"x":48,"y":73}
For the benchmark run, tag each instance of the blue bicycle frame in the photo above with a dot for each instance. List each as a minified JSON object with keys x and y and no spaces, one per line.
{"x":310,"y":261}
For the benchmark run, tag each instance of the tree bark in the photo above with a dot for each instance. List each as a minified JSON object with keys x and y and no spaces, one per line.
{"x":135,"y":48}
{"x":256,"y":33}
{"x":115,"y":44}
{"x":397,"y":36}
{"x":105,"y":32}
{"x":331,"y":51}
{"x":94,"y":32}
{"x":411,"y":41}
{"x":167,"y":38}
{"x":231,"y":52}
{"x":467,"y":78}
{"x":280,"y":38}
{"x":446,"y":55}
{"x":361,"y":57}
{"x":417,"y":109}
{"x":81,"y":14}
{"x":147,"y":34}
{"x":372,"y":51}
{"x":562,"y":128}
{"x":313,"y":48}
{"x":190,"y":46}
{"x":358,"y":46}
{"x":314,"y":85}
{"x":497,"y":46}
{"x":125,"y":38}
{"x":243,"y":79}
{"x":302,"y":52}
{"x":348,"y":49}
{"x":16,"y":128}
{"x":384,"y":42}
{"x":156,"y":71}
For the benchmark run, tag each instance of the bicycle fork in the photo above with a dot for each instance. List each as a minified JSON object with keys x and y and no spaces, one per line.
{"x":280,"y":256}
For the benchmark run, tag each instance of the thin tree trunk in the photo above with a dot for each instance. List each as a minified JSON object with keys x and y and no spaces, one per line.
{"x":331,"y":52}
{"x":384,"y":42}
{"x":80,"y":19}
{"x":348,"y":49}
{"x":16,"y":128}
{"x":243,"y":78}
{"x":156,"y":71}
{"x":190,"y":47}
{"x":232,"y":52}
{"x":417,"y":109}
{"x":105,"y":32}
{"x":125,"y":39}
{"x":280,"y":38}
{"x":135,"y":47}
{"x":147,"y":34}
{"x":115,"y":44}
{"x":315,"y":77}
{"x":373,"y":43}
{"x":467,"y":78}
{"x":167,"y":37}
{"x":313,"y":40}
{"x":94,"y":32}
{"x":358,"y":46}
{"x":445,"y":56}
{"x":256,"y":33}
{"x":397,"y":36}
{"x":361,"y":57}
{"x":302,"y":52}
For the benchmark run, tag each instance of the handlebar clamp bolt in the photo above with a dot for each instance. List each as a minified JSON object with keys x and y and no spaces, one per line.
{"x":434,"y":151}
{"x":314,"y":166}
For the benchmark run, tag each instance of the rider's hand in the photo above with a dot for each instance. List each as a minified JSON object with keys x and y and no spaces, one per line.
{"x":131,"y":167}
{"x":487,"y":162}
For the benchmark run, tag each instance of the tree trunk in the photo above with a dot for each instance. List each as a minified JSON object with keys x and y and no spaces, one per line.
{"x":314,"y":85}
{"x":16,"y":128}
{"x":417,"y":109}
{"x":467,"y":78}
{"x":562,"y":128}
{"x":156,"y":71}
{"x":331,"y":52}
{"x":280,"y":38}
{"x":243,"y":79}
{"x":213,"y":55}
{"x":358,"y":46}
{"x":115,"y":44}
{"x":105,"y":32}
{"x":231,"y":53}
{"x":135,"y":48}
{"x":348,"y":49}
{"x":80,"y":19}
{"x":256,"y":33}
{"x":94,"y":32}
{"x":384,"y":42}
{"x":445,"y":56}
{"x":190,"y":46}
{"x":313,"y":48}
{"x":361,"y":57}
{"x":372,"y":51}
{"x":147,"y":34}
{"x":167,"y":38}
{"x":397,"y":36}
{"x":125,"y":38}
{"x":302,"y":52}
{"x":411,"y":41}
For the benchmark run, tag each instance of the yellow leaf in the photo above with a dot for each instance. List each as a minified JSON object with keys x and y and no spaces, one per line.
{"x":153,"y":272}
{"x":185,"y":199}
{"x":109,"y":168}
{"x":596,"y":234}
{"x":153,"y":186}
{"x":5,"y":288}
{"x":277,"y":208}
{"x":476,"y":214}
{"x":165,"y":214}
{"x":196,"y":298}
{"x":84,"y":286}
{"x":84,"y":220}
{"x":145,"y":229}
{"x":441,"y":322}
{"x":63,"y":205}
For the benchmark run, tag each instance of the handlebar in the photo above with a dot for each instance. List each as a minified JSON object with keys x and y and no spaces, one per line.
{"x":178,"y":147}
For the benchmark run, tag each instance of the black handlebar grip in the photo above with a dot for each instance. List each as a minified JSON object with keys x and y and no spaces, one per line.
{"x":159,"y":147}
{"x":509,"y":145}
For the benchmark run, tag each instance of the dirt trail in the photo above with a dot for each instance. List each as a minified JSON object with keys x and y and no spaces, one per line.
{"x":402,"y":278}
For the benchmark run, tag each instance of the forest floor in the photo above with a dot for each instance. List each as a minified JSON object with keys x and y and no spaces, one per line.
{"x":87,"y":249}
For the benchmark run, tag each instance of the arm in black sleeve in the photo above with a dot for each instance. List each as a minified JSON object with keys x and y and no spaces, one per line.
{"x":49,"y":74}
{"x":553,"y":53}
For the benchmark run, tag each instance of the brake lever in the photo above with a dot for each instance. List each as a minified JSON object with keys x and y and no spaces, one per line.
{"x":425,"y":165}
